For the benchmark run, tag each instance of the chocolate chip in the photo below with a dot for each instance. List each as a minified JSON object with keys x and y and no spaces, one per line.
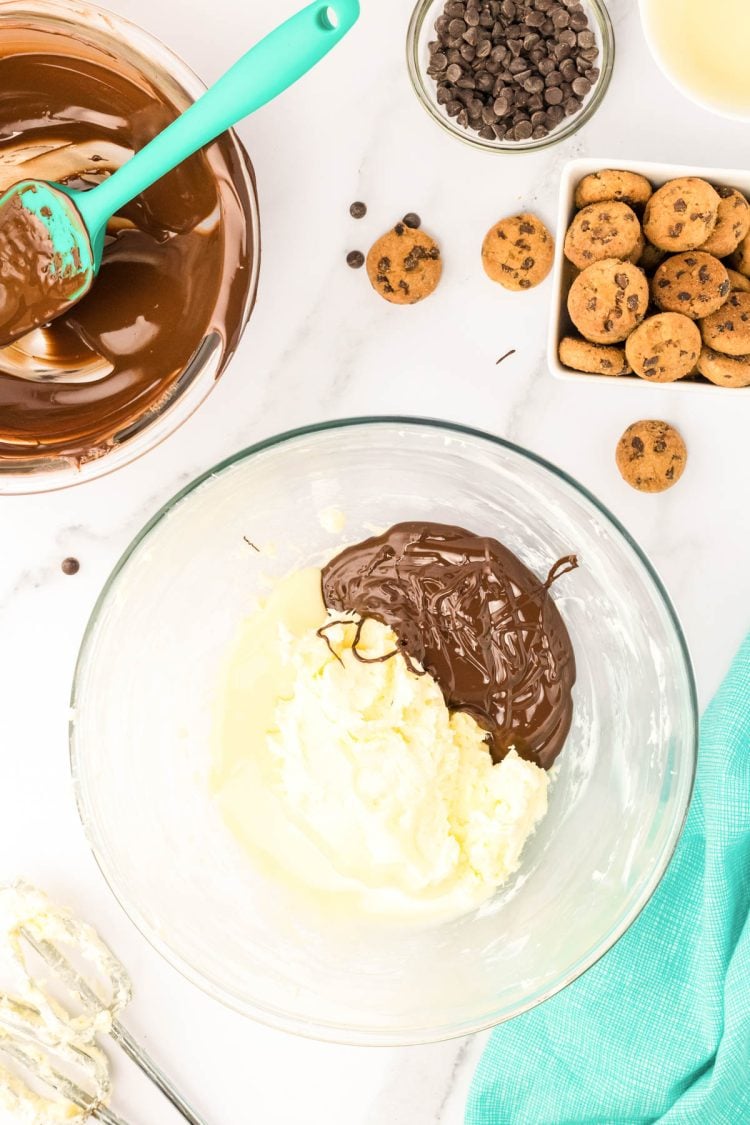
{"x":637,"y":444}
{"x":358,"y":210}
{"x":412,"y":220}
{"x":632,"y":302}
{"x":534,"y":84}
{"x":680,"y":205}
{"x":70,"y":566}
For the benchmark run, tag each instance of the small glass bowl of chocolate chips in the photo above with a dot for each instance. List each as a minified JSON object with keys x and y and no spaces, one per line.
{"x":510,"y":75}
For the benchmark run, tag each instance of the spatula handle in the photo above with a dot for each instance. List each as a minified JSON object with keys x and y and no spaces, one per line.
{"x":268,"y":69}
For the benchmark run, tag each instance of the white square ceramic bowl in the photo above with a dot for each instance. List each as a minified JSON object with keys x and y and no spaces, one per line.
{"x":563,"y":272}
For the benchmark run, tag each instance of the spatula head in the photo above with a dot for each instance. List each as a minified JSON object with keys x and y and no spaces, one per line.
{"x":46,"y":258}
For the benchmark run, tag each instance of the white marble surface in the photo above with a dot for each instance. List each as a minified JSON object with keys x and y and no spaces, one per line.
{"x":321,"y":344}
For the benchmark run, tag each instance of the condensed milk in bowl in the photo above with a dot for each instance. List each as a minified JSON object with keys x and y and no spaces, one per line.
{"x":704,"y":50}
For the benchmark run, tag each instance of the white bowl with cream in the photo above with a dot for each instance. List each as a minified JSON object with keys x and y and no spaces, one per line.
{"x":704,"y":50}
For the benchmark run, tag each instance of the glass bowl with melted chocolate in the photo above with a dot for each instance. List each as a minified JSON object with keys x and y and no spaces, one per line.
{"x":460,"y":542}
{"x":81,"y":90}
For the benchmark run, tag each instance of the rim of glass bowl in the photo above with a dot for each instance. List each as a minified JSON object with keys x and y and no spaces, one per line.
{"x":424,"y":86}
{"x":365,"y":1035}
{"x":49,"y":474}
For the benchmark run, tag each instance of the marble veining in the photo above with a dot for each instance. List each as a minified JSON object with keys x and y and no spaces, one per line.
{"x":320,"y":345}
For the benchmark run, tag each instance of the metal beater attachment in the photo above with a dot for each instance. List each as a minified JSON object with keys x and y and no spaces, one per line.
{"x":71,"y":989}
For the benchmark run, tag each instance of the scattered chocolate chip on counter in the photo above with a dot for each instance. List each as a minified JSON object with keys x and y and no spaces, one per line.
{"x":511,"y":70}
{"x":358,"y":210}
{"x":355,"y":259}
{"x":412,"y":221}
{"x":70,"y":566}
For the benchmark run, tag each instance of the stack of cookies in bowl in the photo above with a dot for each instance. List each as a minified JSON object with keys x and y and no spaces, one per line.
{"x":655,"y":280}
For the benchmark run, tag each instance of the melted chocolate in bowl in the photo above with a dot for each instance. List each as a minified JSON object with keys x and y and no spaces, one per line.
{"x":179,"y":264}
{"x":468,"y":610}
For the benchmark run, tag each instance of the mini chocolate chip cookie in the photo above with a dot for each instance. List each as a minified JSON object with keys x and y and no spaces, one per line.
{"x":724,"y":370}
{"x":651,"y":257}
{"x":740,"y":259}
{"x":693,"y":283}
{"x":664,"y":348}
{"x":607,"y":300}
{"x":732,"y":223}
{"x":638,"y":251}
{"x":603,"y":230}
{"x":593,"y":359}
{"x":738,"y":282}
{"x":623,"y":187}
{"x":404,"y":266}
{"x":728,"y":330}
{"x":682,"y":214}
{"x":518,"y":252}
{"x":651,"y":456}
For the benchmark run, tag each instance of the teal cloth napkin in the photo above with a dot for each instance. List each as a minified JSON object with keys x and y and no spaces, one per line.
{"x":659,"y":1029}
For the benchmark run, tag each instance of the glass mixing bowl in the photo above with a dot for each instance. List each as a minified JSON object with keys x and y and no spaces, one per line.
{"x":166,"y":73}
{"x":141,"y":727}
{"x":422,"y":30}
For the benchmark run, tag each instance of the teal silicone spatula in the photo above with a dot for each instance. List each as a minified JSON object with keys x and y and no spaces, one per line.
{"x":52,"y":238}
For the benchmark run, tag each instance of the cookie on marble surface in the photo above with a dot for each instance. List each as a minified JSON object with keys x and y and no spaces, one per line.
{"x":592,"y":359}
{"x":651,"y":455}
{"x":607,"y":300}
{"x":404,"y":266}
{"x":693,"y":283}
{"x":740,"y":259}
{"x":610,"y":183}
{"x":728,"y":329}
{"x":682,"y":214}
{"x":603,"y":230}
{"x":724,"y":370}
{"x":518,"y":252}
{"x":738,"y":282}
{"x":732,"y":223}
{"x":664,"y":348}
